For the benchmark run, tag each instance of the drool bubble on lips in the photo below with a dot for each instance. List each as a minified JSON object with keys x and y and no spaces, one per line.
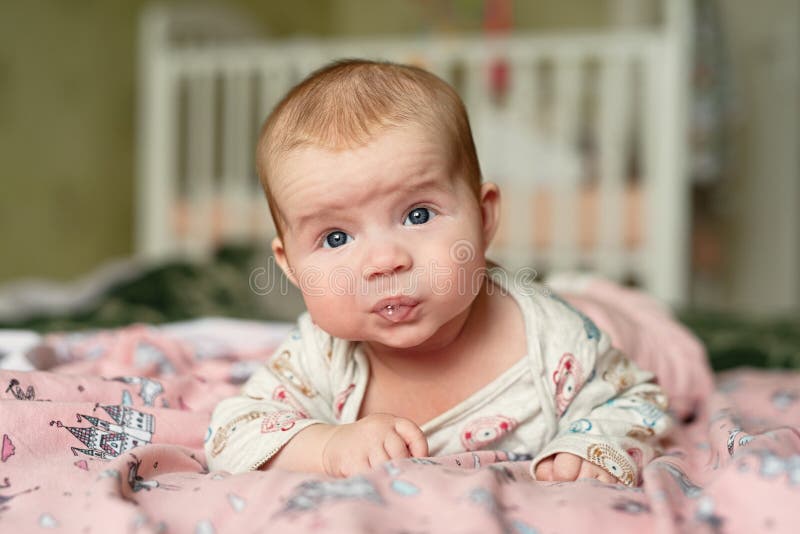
{"x":396,"y":313}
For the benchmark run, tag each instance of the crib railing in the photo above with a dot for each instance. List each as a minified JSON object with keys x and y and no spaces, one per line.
{"x":563,"y":118}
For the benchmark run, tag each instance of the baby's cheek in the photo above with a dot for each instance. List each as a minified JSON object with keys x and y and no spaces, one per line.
{"x":460,"y":275}
{"x":335,"y":315}
{"x":339,"y":325}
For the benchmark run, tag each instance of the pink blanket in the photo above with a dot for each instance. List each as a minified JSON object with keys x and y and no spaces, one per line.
{"x":110,"y":439}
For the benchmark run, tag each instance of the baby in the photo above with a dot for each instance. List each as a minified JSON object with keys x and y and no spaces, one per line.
{"x":413,"y":344}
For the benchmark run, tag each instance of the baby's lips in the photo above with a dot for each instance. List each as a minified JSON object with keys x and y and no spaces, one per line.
{"x":396,"y":314}
{"x":396,"y":309}
{"x":397,"y":301}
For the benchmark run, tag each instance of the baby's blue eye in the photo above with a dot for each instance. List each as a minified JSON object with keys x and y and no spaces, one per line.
{"x":419,"y":216}
{"x":336,"y":239}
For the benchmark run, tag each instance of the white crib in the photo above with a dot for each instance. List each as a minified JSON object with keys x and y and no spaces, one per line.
{"x":584,"y":133}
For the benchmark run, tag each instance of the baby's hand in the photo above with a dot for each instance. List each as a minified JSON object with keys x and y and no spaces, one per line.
{"x":365,"y":444}
{"x":565,"y":467}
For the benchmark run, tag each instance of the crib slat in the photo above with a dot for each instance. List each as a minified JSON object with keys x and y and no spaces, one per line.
{"x":523,"y":90}
{"x":612,"y":136}
{"x":236,"y":155}
{"x":665,"y":172}
{"x":476,"y":99}
{"x":200,"y":164}
{"x":519,"y":184}
{"x":565,"y":186}
{"x":475,"y":90}
{"x":275,"y":82}
{"x":158,"y":159}
{"x":264,"y":104}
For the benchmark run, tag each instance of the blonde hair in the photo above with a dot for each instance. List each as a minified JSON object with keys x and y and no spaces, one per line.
{"x":346,"y":103}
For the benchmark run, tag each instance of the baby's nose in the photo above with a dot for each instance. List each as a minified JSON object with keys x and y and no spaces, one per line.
{"x":386,"y":259}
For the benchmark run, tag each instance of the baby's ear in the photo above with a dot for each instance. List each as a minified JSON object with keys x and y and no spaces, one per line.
{"x":490,"y":211}
{"x":283,"y":262}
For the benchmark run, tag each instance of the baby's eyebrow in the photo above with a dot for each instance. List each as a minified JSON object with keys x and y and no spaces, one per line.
{"x":328,"y":210}
{"x":307,"y":218}
{"x":323,"y":212}
{"x":424,"y":185}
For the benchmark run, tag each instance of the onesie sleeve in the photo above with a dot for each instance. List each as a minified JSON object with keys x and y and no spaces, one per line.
{"x":608,"y":411}
{"x":289,"y":393}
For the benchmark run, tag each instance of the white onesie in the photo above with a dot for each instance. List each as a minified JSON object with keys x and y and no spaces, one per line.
{"x":572,"y":392}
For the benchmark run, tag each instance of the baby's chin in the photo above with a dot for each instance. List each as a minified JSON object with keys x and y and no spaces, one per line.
{"x":398,"y":340}
{"x":399,"y":337}
{"x":414,"y":340}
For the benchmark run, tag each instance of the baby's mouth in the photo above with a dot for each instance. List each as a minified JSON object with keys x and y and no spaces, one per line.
{"x":395,"y":309}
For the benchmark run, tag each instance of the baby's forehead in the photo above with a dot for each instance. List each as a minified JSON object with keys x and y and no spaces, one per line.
{"x":313,"y":182}
{"x":395,"y":160}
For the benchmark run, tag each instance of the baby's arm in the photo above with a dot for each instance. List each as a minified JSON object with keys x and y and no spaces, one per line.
{"x":609,"y":422}
{"x":345,"y":450}
{"x":285,"y":417}
{"x":248,"y":429}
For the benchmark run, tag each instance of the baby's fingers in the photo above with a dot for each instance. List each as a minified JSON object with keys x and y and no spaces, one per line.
{"x":544,"y":470}
{"x":413,"y":436}
{"x":357,"y":464}
{"x":395,"y":446}
{"x":590,"y":470}
{"x":377,"y":456}
{"x":604,"y":476}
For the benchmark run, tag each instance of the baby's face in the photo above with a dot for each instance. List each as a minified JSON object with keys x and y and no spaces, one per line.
{"x":386,"y":245}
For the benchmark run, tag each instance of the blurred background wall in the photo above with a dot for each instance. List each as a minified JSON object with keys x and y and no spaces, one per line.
{"x":67,"y":108}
